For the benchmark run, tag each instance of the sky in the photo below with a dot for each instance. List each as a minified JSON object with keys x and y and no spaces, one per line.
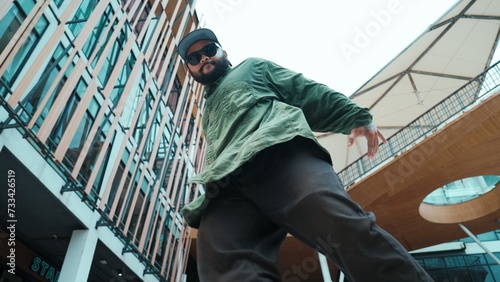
{"x":339,"y":43}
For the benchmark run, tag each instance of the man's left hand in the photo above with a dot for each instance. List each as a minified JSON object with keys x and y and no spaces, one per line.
{"x":372,"y":135}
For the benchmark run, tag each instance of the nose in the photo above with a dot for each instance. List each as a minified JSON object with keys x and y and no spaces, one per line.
{"x":204,"y":58}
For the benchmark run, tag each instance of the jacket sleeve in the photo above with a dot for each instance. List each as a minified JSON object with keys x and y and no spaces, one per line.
{"x":326,"y":110}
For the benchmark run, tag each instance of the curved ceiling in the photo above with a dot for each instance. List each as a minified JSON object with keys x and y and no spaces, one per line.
{"x":451,"y":52}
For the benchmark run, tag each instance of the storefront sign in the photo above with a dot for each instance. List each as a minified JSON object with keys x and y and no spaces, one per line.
{"x":45,"y":270}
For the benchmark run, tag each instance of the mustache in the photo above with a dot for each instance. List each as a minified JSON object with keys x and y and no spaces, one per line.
{"x":207,"y":63}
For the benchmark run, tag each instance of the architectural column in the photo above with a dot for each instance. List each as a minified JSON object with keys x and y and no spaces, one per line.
{"x":78,"y":259}
{"x":325,"y":270}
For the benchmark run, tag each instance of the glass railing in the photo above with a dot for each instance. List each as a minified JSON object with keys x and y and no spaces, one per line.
{"x":426,"y":124}
{"x":462,"y":190}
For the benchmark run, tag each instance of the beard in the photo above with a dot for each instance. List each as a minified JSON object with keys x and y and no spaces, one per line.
{"x":220,"y":67}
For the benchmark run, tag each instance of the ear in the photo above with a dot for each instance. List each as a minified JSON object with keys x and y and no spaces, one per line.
{"x":225,"y":55}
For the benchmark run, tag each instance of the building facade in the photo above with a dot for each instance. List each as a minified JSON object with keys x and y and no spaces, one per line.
{"x":99,"y":131}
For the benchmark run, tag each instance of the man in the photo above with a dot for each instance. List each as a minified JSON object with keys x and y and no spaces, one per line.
{"x":267,"y":176}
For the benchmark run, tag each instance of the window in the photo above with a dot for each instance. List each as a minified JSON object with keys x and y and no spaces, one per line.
{"x":114,"y":54}
{"x":142,"y":18}
{"x":32,"y":100}
{"x":116,"y":181}
{"x":173,"y":99}
{"x":13,"y":20}
{"x":162,"y":153}
{"x":98,"y":32}
{"x":140,"y":127}
{"x":80,"y":138}
{"x":81,"y":16}
{"x":66,"y":115}
{"x":24,"y":53}
{"x":89,"y":163}
{"x":122,"y":79}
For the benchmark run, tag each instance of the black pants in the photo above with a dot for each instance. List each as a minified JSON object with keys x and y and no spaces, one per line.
{"x":292,"y":188}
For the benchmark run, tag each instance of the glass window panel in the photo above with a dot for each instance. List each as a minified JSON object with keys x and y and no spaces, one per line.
{"x":81,"y":16}
{"x":96,"y":188}
{"x":122,"y":79}
{"x":142,"y":18}
{"x":123,"y":195}
{"x":104,"y":43}
{"x":494,"y":274}
{"x":140,"y":127}
{"x":112,"y":58}
{"x":26,"y":5}
{"x":153,"y":133}
{"x":149,"y":33}
{"x":490,"y":259}
{"x":475,"y":260}
{"x":58,"y":3}
{"x":80,"y":138}
{"x":24,"y":52}
{"x":490,"y":236}
{"x":9,"y":25}
{"x":161,"y":154}
{"x":434,"y":263}
{"x":98,"y":32}
{"x":35,"y":96}
{"x":173,"y":98}
{"x":65,"y":117}
{"x":133,"y":100}
{"x":454,"y":261}
{"x":94,"y":150}
{"x":459,"y":274}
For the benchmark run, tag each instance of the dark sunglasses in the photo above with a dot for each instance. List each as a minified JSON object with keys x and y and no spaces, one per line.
{"x":208,"y":50}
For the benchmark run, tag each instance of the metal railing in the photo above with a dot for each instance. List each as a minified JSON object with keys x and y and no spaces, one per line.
{"x":426,"y":124}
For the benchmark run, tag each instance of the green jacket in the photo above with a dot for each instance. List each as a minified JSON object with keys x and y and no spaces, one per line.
{"x":258,"y":104}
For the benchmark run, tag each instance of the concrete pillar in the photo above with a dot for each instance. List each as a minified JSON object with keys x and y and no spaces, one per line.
{"x":78,"y":259}
{"x":325,"y":270}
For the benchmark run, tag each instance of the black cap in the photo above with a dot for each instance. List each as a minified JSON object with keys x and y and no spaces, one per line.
{"x":192,"y":37}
